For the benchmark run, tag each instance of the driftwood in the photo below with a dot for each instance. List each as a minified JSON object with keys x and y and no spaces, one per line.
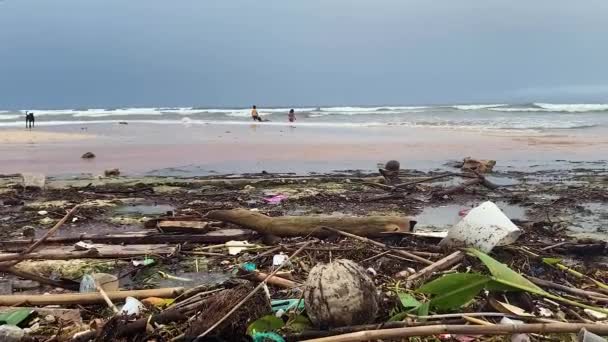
{"x":87,"y":298}
{"x":289,"y":226}
{"x":497,"y":329}
{"x":144,"y":238}
{"x":97,"y":252}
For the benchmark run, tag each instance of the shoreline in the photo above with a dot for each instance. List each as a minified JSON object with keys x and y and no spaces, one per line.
{"x":205,"y":149}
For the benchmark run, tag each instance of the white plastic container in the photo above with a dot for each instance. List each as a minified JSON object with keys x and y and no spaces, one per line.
{"x":484,"y":227}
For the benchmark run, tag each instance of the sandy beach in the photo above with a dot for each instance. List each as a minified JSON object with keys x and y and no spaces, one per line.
{"x":18,"y":137}
{"x":139,"y":148}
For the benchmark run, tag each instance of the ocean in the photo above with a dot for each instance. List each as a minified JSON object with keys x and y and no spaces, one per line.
{"x":530,"y":117}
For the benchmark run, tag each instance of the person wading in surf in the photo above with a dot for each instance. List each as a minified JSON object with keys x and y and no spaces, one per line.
{"x":291,"y":116}
{"x":254,"y":114}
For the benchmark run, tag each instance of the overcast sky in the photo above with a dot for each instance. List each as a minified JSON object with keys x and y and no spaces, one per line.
{"x":112,"y":53}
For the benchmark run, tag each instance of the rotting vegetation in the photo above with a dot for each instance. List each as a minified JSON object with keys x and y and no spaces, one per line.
{"x":561,"y":251}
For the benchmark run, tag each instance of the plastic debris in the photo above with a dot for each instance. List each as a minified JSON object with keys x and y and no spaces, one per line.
{"x":145,"y":262}
{"x":236,"y":247}
{"x":484,"y":227}
{"x":83,"y":246}
{"x":43,"y":212}
{"x":132,"y":307}
{"x":287,"y":304}
{"x":279,"y":259}
{"x":15,"y":317}
{"x":34,"y":180}
{"x":277,"y":199}
{"x":249,"y":267}
{"x":586,"y":336}
{"x":515,"y":337}
{"x":108,"y":282}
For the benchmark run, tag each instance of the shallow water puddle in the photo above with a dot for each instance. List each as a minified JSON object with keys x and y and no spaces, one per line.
{"x":592,"y":220}
{"x":441,"y":218}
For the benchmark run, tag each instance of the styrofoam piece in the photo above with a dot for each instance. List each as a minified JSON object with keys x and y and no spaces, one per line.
{"x":484,"y":227}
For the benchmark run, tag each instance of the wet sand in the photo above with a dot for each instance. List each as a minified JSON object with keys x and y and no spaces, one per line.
{"x":194,"y":150}
{"x":36,"y":136}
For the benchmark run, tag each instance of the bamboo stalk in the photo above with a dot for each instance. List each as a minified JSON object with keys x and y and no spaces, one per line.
{"x":497,"y":329}
{"x":87,"y":298}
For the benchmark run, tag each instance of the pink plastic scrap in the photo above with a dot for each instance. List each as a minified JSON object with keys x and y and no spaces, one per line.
{"x":277,"y":199}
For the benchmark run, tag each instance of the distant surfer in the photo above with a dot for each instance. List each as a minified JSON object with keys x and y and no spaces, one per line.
{"x":255,"y":115}
{"x":291,"y":116}
{"x":29,"y":120}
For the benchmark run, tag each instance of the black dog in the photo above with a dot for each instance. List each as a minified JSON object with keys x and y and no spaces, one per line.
{"x":29,"y":120}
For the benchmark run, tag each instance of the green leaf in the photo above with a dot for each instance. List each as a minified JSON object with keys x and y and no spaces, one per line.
{"x":454,"y":290}
{"x":299,"y":323}
{"x":407,"y":300}
{"x":423,"y":310}
{"x":504,"y":275}
{"x":15,"y":317}
{"x":398,"y":317}
{"x":495,"y":286}
{"x":265,"y":324}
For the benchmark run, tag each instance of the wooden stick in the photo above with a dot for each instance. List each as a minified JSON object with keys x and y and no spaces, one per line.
{"x":253,"y":292}
{"x":600,"y":297}
{"x":87,"y":298}
{"x":379,"y":244}
{"x":497,"y":329}
{"x":553,"y":246}
{"x":438,"y":265}
{"x":106,"y":298}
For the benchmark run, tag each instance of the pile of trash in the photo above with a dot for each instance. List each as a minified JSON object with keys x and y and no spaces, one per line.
{"x":231,"y":274}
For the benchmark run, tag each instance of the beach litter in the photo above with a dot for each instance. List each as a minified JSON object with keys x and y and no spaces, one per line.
{"x":483,"y":227}
{"x":88,"y":155}
{"x":277,"y":199}
{"x":338,"y":261}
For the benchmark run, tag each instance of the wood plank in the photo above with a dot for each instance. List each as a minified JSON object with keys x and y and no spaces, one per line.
{"x":190,"y":227}
{"x":99,"y":251}
{"x":143,"y":237}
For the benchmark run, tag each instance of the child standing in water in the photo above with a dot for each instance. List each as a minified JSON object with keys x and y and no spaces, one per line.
{"x":254,"y":114}
{"x":291,"y":116}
